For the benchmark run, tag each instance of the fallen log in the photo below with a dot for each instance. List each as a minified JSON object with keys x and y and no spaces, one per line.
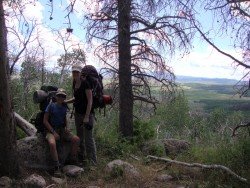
{"x":213,"y":166}
{"x":26,"y":126}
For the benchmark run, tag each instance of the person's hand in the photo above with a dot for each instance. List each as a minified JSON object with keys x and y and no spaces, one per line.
{"x":88,"y":126}
{"x":86,"y":119}
{"x":86,"y":123}
{"x":57,"y":137}
{"x":66,"y":130}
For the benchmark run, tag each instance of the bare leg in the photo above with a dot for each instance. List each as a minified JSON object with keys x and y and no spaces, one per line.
{"x":52,"y":146}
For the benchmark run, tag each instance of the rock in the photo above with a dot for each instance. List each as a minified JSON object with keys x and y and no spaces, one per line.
{"x":35,"y":181}
{"x":128,"y":169}
{"x":174,"y":146}
{"x":5,"y":182}
{"x":59,"y":181}
{"x":34,"y":152}
{"x":164,"y":178}
{"x":72,"y":171}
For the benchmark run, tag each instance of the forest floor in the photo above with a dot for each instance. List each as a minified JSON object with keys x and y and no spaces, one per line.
{"x":151,"y":174}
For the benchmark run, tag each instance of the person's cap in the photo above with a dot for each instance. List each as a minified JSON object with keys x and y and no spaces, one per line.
{"x":77,"y":68}
{"x":61,"y":91}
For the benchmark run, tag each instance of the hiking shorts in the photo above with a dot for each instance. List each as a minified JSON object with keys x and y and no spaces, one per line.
{"x":64,"y":135}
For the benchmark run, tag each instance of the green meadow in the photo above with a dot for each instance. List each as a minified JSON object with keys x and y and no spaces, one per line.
{"x":215,"y":95}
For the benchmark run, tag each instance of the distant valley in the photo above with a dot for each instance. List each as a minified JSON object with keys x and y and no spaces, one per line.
{"x":219,"y":81}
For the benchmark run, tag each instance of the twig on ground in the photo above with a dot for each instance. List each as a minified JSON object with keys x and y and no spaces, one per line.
{"x":213,"y":166}
{"x":237,"y":127}
{"x":134,"y":157}
{"x":52,"y":185}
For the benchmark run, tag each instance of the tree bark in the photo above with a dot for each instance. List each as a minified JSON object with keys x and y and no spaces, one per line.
{"x":8,"y":158}
{"x":125,"y":79}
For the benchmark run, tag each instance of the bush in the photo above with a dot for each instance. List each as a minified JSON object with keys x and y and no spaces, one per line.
{"x":20,"y":133}
{"x":235,"y":156}
{"x":142,"y":131}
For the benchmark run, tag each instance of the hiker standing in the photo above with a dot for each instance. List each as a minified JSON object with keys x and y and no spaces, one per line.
{"x":84,"y":115}
{"x":56,"y":124}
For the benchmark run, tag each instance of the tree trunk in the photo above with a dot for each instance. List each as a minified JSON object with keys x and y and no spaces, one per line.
{"x":8,"y":158}
{"x":125,"y":82}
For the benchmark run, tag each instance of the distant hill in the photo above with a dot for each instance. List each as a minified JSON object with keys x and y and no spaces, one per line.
{"x":219,"y":81}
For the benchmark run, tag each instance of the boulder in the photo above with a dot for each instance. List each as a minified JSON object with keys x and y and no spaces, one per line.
{"x":164,"y":178}
{"x":33,"y":152}
{"x":59,"y":181}
{"x":5,"y":182}
{"x":35,"y":181}
{"x":174,"y":147}
{"x":72,"y":171}
{"x":127,"y":169}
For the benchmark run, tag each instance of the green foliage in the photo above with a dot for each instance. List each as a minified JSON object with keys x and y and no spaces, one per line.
{"x":70,"y":58}
{"x":154,"y":147}
{"x":143,"y":131}
{"x":217,"y":118}
{"x":23,"y":105}
{"x":111,"y":144}
{"x":210,"y":132}
{"x":172,"y":117}
{"x":234,"y":155}
{"x":29,"y":72}
{"x":20,"y":133}
{"x":235,"y":118}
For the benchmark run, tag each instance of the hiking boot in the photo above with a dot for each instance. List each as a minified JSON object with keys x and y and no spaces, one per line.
{"x":58,"y":172}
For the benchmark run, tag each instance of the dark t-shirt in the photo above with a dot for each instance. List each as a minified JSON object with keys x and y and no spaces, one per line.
{"x":81,"y":101}
{"x":57,"y":114}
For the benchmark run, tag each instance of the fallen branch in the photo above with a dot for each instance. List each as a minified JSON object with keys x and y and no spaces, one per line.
{"x":234,"y":130}
{"x":214,"y":166}
{"x":134,"y":157}
{"x":52,"y":185}
{"x":26,"y":126}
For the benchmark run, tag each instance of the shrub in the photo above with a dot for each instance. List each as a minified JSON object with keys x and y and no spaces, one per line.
{"x":142,"y":131}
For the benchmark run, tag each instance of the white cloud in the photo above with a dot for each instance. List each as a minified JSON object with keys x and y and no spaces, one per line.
{"x":47,"y":38}
{"x":208,"y":63}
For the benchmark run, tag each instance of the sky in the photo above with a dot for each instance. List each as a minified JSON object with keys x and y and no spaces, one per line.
{"x":202,"y":61}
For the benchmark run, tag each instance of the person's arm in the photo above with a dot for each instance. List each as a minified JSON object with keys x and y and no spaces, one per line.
{"x":70,"y":100}
{"x":48,"y":126}
{"x":89,"y":105}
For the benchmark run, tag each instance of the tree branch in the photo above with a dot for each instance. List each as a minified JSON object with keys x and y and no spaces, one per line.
{"x":203,"y":166}
{"x":220,"y":51}
{"x":237,"y":127}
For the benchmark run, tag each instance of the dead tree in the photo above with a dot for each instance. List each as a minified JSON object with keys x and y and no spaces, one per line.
{"x":64,"y":39}
{"x":136,"y":39}
{"x":24,"y":33}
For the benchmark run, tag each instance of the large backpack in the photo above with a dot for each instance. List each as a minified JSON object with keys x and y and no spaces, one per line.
{"x":43,"y":97}
{"x":95,"y":79}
